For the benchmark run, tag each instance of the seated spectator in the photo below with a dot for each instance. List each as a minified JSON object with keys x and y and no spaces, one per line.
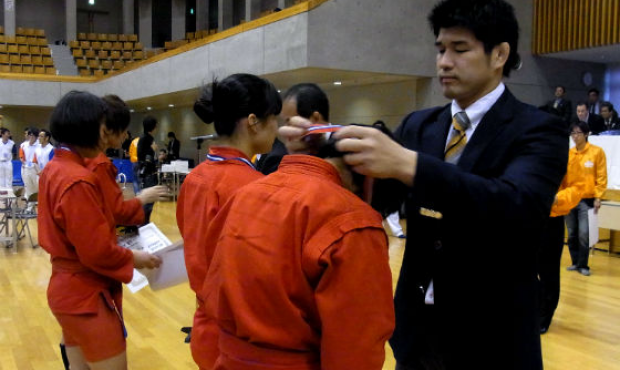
{"x":560,"y":106}
{"x":594,"y":121}
{"x":610,"y":116}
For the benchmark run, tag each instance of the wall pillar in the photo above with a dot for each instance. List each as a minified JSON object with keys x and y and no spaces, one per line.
{"x":146,"y":22}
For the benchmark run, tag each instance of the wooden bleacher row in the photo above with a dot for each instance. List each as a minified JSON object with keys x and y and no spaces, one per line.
{"x":25,"y":49}
{"x":23,"y":40}
{"x":105,"y":45}
{"x":21,"y":31}
{"x":105,"y":54}
{"x":81,"y":36}
{"x":88,"y":67}
{"x":5,"y":68}
{"x":26,"y":59}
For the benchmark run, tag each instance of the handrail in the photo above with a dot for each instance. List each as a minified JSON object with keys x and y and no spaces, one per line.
{"x":256,"y":23}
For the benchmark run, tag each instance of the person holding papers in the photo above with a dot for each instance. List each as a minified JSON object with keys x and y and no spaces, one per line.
{"x":126,"y":212}
{"x":88,"y":265}
{"x":244,"y":109}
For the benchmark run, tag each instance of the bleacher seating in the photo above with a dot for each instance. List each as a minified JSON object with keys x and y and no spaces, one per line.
{"x":26,"y":52}
{"x":99,"y":54}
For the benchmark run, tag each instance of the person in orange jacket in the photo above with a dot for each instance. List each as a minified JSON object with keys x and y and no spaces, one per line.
{"x":88,"y":266}
{"x":585,"y":161}
{"x":300,"y":278}
{"x":244,"y":109}
{"x":550,"y":252}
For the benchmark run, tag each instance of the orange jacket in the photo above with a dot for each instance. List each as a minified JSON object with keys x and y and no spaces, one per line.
{"x":590,"y":165}
{"x":128,"y":212}
{"x":567,"y":197}
{"x":300,"y":278}
{"x":133,"y":150}
{"x":78,"y":231}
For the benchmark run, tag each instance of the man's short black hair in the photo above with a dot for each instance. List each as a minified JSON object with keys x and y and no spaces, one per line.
{"x":491,"y":21}
{"x":581,"y":102}
{"x":310,"y":98}
{"x":561,"y":87}
{"x":46,"y":133}
{"x":149,"y":123}
{"x":594,"y":90}
{"x":608,"y":105}
{"x":3,"y":130}
{"x":77,"y":119}
{"x":33,"y":131}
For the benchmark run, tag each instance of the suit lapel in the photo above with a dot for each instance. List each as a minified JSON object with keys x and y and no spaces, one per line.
{"x":491,"y":125}
{"x":434,"y":139}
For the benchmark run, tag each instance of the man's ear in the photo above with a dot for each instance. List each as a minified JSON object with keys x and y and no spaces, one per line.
{"x":316,"y":117}
{"x":500,"y":54}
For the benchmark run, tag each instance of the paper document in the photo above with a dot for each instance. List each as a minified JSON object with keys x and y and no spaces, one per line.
{"x":593,"y":227}
{"x":172,"y":270}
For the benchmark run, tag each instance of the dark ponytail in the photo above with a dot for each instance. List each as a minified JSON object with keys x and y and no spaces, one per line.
{"x":235,"y":97}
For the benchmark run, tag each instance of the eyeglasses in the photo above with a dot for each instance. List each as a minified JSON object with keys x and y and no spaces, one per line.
{"x":576,"y":133}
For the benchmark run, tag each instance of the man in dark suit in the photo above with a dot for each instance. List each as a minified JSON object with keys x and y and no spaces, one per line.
{"x":480,"y":175}
{"x":174,"y":146}
{"x":594,"y":106}
{"x":610,"y":117}
{"x":593,"y":120}
{"x":560,"y":106}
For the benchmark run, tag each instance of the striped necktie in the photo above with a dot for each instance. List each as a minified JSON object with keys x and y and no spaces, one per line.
{"x":454,"y":149}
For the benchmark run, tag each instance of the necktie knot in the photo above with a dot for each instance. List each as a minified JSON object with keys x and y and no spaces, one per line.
{"x":461,"y":122}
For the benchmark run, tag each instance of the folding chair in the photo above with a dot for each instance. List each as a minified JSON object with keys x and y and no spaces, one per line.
{"x":24,"y":214}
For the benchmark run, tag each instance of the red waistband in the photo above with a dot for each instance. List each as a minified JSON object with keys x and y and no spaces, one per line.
{"x":71,"y":266}
{"x":241,"y":354}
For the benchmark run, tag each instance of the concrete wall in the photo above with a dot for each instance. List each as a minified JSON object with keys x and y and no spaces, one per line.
{"x":389,"y":102}
{"x":367,"y":35}
{"x":16,"y":119}
{"x":48,"y":15}
{"x":107,"y":16}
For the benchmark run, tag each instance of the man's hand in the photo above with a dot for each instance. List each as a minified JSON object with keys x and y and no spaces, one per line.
{"x":597,"y":205}
{"x":143,"y":259}
{"x":153,"y":194}
{"x":292,"y":135}
{"x":374,"y":154}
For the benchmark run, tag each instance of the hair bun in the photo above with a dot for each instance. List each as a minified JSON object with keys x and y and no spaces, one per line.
{"x":203,"y":107}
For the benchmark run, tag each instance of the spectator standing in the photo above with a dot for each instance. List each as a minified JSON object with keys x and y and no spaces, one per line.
{"x":588,"y":162}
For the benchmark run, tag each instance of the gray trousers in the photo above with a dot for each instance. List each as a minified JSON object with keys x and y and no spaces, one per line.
{"x":579,"y":234}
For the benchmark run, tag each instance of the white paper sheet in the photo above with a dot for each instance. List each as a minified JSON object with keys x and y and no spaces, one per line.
{"x":593,"y":227}
{"x":172,"y":270}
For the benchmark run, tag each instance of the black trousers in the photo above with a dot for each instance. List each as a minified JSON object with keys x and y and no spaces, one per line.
{"x":428,"y":354}
{"x":549,"y":256}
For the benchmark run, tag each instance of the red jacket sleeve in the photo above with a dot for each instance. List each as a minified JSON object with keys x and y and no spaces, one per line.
{"x":80,"y":213}
{"x":354,"y":299}
{"x":126,"y":212}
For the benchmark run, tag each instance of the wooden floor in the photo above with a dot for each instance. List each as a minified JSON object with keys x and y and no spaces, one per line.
{"x":585,"y":333}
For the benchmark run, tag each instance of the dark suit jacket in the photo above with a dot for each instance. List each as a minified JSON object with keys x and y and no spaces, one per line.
{"x":595,"y":122}
{"x":614,"y":124}
{"x":564,"y":109}
{"x":481,"y":252}
{"x":269,"y":162}
{"x":174,"y":147}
